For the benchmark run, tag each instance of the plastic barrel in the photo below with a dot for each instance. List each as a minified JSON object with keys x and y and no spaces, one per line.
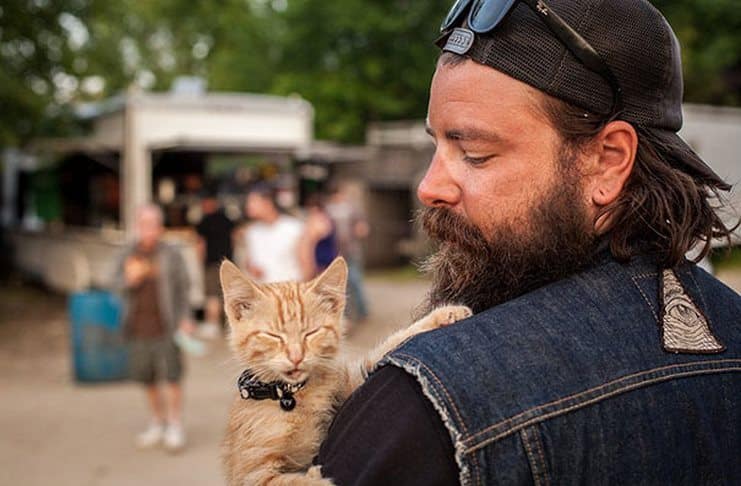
{"x":98,"y":348}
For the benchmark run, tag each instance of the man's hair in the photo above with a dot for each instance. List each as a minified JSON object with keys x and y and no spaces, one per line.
{"x":661,"y":210}
{"x":152,"y":208}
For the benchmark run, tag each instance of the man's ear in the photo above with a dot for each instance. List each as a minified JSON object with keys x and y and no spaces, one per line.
{"x":240,"y":292}
{"x":616,"y":147}
{"x":331,"y":285}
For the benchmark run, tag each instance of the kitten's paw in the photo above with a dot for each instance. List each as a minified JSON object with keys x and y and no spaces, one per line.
{"x":446,"y":315}
{"x":315,"y":473}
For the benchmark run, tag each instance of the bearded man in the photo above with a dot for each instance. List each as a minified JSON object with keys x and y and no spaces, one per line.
{"x":563,"y":202}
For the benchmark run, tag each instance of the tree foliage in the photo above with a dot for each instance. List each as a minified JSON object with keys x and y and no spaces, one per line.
{"x":356,"y":60}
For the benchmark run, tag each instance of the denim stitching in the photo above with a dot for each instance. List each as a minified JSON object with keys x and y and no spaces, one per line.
{"x":541,"y":453}
{"x":583,"y":404}
{"x":645,"y":297}
{"x":534,"y":468}
{"x":699,"y":292}
{"x":530,"y":439}
{"x":606,"y":385}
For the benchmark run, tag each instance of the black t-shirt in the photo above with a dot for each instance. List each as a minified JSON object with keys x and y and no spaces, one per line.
{"x":388,"y":433}
{"x":216,"y":230}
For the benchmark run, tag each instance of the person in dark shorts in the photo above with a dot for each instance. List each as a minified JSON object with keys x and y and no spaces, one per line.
{"x":153,"y":282}
{"x":216,"y":235}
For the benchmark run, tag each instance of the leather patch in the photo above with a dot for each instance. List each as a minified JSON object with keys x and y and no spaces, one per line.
{"x":459,"y":41}
{"x":684,"y":327}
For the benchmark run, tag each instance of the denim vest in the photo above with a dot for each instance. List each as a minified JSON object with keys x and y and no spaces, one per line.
{"x":572,"y":383}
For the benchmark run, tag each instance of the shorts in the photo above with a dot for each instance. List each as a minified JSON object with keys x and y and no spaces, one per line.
{"x":212,"y":280}
{"x":153,"y":360}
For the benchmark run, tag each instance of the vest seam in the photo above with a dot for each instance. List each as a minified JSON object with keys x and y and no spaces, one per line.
{"x":541,"y":452}
{"x":582,"y":404}
{"x":699,"y":292}
{"x":535,"y":455}
{"x":600,"y":398}
{"x":645,"y":297}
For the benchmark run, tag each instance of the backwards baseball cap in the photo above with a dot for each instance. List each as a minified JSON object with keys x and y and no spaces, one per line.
{"x":610,"y":57}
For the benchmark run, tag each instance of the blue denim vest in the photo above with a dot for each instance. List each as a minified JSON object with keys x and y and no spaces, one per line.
{"x":570,"y":384}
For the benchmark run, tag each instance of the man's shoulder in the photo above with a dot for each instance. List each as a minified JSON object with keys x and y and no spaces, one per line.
{"x":582,"y":333}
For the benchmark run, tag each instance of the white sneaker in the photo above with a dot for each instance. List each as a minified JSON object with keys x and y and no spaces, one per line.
{"x":174,"y":437}
{"x":151,"y":437}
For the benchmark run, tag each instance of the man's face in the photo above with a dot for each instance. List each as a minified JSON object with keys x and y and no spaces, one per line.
{"x":148,"y":228}
{"x":504,"y":198}
{"x":258,"y":206}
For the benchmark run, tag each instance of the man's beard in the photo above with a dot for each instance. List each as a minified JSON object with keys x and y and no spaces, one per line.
{"x":552,"y":240}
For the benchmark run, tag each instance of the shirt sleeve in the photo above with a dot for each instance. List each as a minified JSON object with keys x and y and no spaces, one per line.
{"x":388,"y":433}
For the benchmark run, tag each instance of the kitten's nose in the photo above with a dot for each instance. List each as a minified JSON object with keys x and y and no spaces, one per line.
{"x":295,"y":356}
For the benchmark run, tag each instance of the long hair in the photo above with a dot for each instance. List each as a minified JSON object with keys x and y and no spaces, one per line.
{"x":662,"y":210}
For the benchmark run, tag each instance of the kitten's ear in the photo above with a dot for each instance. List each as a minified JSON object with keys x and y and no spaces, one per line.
{"x":239,"y":291}
{"x":331,"y":285}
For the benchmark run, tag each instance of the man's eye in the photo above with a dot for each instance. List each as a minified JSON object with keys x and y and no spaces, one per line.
{"x":477,"y":160}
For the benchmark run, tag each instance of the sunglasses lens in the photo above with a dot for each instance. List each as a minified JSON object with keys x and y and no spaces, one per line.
{"x":487,"y":14}
{"x":455,"y":12}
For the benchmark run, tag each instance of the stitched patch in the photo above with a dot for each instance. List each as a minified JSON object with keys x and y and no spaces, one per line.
{"x":684,"y":328}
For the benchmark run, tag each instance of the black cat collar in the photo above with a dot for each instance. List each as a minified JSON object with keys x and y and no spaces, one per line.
{"x":252,"y":388}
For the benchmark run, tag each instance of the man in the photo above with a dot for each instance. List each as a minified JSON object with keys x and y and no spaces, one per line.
{"x":352,"y":229}
{"x":154,"y":285}
{"x":563,"y":202}
{"x":215,"y":232}
{"x":273,"y":239}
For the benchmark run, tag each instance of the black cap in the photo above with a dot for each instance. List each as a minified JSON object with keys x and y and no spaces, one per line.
{"x":631,"y":36}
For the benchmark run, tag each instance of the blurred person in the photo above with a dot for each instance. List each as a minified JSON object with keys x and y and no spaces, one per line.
{"x":563,"y":202}
{"x":319,"y":241}
{"x":152,"y":280}
{"x":216,"y":235}
{"x":272,"y":239}
{"x":352,"y":228}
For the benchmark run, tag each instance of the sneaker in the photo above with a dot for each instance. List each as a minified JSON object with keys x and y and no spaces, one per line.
{"x":151,"y":437}
{"x":174,"y":438}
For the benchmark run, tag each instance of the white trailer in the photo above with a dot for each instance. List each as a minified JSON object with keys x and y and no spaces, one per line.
{"x":135,"y":126}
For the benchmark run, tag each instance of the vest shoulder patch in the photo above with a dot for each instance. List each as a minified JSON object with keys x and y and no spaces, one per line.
{"x":684,"y":327}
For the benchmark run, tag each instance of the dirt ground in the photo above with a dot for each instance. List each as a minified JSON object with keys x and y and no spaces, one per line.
{"x":55,"y":431}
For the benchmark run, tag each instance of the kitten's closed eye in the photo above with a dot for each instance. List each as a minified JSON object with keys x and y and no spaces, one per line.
{"x":312,"y":332}
{"x":270,"y":335}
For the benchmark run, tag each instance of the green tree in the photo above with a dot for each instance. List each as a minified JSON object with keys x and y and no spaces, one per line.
{"x":709,"y":32}
{"x":36,"y":61}
{"x":359,"y":61}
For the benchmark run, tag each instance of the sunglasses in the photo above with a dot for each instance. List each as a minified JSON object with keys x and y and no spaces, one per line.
{"x":485,"y":15}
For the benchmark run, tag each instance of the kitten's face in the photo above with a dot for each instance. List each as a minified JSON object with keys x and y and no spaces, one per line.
{"x":285,"y":331}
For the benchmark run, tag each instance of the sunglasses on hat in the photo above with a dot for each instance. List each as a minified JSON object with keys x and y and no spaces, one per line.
{"x":485,"y":15}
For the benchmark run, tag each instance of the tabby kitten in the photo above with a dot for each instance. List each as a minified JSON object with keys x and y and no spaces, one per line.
{"x":288,"y":336}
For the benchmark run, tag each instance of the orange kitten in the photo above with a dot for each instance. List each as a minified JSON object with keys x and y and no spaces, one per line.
{"x":288,"y":335}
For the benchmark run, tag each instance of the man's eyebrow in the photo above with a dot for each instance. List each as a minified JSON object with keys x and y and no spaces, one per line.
{"x":468,"y":133}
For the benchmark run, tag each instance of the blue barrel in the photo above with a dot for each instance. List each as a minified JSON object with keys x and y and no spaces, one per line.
{"x":98,"y":347}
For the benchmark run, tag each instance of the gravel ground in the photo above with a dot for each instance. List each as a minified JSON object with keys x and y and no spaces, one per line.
{"x":60,"y":432}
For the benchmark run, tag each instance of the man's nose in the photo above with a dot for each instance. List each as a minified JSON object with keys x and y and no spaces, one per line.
{"x":437,"y":187}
